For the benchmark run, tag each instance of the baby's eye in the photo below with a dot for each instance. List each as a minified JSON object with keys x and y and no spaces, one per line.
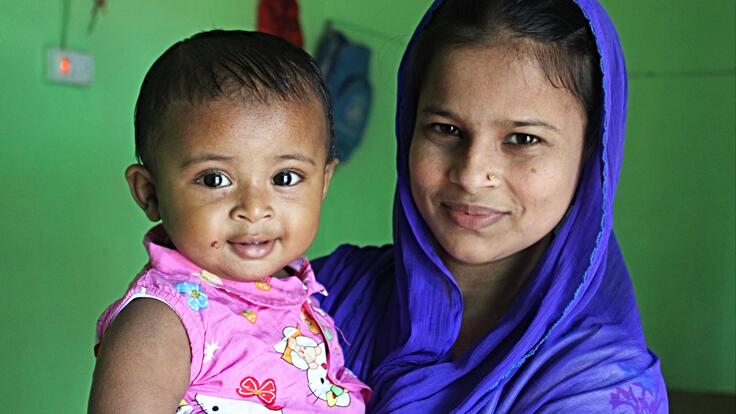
{"x":445,"y":129}
{"x":286,"y":178}
{"x":522,"y":139}
{"x":214,"y":180}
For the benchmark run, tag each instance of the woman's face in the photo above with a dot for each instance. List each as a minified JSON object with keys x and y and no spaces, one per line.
{"x":496,"y":153}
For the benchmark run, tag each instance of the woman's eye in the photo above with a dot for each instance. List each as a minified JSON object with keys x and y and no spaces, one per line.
{"x":446,"y":129}
{"x":286,"y":179}
{"x":522,"y":139}
{"x":214,"y":180}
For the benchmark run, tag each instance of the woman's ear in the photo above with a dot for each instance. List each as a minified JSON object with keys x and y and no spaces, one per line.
{"x":143,"y":190}
{"x":329,"y":170}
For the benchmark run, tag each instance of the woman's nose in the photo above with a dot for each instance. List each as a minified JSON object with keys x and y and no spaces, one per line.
{"x":475,"y":168}
{"x":253,"y":205}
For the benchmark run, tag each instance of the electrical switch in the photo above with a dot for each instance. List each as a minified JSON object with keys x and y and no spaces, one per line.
{"x":69,"y":66}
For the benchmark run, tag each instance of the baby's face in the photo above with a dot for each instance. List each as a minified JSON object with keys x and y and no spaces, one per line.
{"x":239,"y":187}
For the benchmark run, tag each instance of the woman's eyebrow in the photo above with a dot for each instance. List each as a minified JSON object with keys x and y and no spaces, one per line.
{"x":512,"y":123}
{"x":204,"y":158}
{"x":436,"y":110}
{"x":530,"y":122}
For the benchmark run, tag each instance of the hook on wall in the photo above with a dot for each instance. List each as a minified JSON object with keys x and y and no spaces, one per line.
{"x":97,"y":7}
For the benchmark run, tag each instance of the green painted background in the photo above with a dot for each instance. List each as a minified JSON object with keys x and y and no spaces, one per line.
{"x":71,"y":235}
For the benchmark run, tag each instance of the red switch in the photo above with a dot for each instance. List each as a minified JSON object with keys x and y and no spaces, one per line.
{"x":65,"y":65}
{"x":70,"y":66}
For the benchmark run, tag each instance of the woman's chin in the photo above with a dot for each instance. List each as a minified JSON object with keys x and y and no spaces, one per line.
{"x":463,"y":255}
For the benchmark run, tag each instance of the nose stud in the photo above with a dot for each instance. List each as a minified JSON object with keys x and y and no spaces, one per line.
{"x":491,"y":177}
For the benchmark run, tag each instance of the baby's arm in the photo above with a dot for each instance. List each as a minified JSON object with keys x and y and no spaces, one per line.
{"x":143,"y":362}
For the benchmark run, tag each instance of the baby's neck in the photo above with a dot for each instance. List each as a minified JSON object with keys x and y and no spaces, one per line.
{"x":283,"y":273}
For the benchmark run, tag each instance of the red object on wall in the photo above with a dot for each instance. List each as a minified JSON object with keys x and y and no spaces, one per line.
{"x":280,"y":18}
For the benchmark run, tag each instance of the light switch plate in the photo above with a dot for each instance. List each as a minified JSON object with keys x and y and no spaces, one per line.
{"x":70,"y":66}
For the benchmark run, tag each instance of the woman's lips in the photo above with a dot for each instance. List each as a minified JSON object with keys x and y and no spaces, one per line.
{"x":252,"y":248}
{"x":472,"y":217}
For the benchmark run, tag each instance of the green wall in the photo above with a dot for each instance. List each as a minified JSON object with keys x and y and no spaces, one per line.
{"x":677,"y":200}
{"x":71,"y":234}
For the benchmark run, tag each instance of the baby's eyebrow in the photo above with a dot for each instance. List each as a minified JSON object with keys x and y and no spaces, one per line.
{"x":297,"y":157}
{"x":204,"y":158}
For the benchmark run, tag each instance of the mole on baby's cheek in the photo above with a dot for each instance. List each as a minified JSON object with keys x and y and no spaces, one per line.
{"x":533,"y":171}
{"x":215,"y":244}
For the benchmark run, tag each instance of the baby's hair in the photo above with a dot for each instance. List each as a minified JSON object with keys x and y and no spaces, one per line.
{"x":246,"y":67}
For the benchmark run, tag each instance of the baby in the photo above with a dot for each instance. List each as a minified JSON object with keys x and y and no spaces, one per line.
{"x":235,"y":156}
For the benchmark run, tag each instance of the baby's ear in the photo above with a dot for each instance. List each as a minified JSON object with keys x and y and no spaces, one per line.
{"x":329,"y":170}
{"x":143,"y":190}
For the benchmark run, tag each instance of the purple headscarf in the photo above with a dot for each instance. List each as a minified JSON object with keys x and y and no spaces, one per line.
{"x":572,"y":339}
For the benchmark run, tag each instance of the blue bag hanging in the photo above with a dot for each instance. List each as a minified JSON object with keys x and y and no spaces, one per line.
{"x":344,"y":65}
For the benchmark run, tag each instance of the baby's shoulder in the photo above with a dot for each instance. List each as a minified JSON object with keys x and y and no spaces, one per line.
{"x":188,"y":295}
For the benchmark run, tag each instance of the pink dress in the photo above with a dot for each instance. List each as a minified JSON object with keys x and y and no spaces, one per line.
{"x":257,"y":347}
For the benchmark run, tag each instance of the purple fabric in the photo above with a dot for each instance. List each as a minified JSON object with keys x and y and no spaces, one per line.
{"x":572,"y":339}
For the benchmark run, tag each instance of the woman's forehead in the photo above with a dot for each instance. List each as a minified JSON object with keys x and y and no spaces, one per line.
{"x":494,"y":81}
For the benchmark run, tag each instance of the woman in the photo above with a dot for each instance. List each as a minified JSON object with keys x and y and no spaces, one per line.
{"x":504,"y":290}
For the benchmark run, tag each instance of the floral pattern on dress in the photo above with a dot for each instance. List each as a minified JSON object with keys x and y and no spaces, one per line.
{"x":196,"y":299}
